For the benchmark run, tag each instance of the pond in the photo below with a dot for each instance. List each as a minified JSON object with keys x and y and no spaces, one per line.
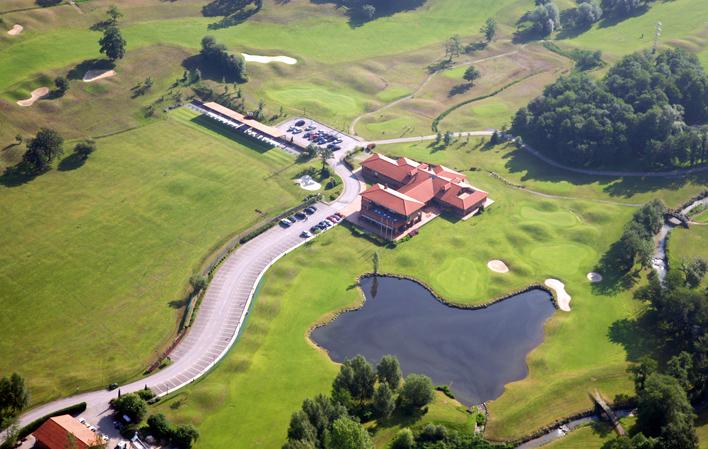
{"x":475,"y":352}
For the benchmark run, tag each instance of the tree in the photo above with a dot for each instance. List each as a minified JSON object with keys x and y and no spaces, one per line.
{"x":642,"y":371}
{"x":383,"y":401}
{"x":453,"y":47}
{"x":694,"y":271}
{"x":356,"y":377}
{"x":348,"y":434}
{"x":85,"y":148}
{"x":403,"y":439}
{"x":587,"y":13}
{"x":184,"y":435}
{"x":112,"y":43}
{"x":113,"y":14}
{"x":14,"y":397}
{"x":324,"y":153}
{"x":301,"y":428}
{"x":46,"y":146}
{"x":130,"y":405}
{"x":471,"y":74}
{"x":230,"y":67}
{"x":660,"y":403}
{"x":680,"y":367}
{"x":389,"y":371}
{"x":159,"y":427}
{"x":489,"y":29}
{"x":417,"y":392}
{"x":367,"y":12}
{"x":545,"y":18}
{"x":447,"y":138}
{"x":61,"y":84}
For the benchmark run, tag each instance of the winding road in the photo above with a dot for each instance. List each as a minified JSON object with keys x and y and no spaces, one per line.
{"x":221,"y":314}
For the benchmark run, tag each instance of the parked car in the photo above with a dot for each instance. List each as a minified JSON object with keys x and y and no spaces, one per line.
{"x":292,"y":219}
{"x":309,"y":210}
{"x":300,"y":216}
{"x":112,"y":386}
{"x":339,"y":214}
{"x":296,"y":131}
{"x":284,"y":223}
{"x":305,"y":235}
{"x":300,"y":123}
{"x":313,"y":207}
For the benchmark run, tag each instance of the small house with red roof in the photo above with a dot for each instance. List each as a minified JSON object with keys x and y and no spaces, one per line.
{"x":65,"y":432}
{"x":402,"y":188}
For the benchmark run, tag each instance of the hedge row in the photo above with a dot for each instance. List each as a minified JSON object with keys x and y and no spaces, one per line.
{"x":34,"y":425}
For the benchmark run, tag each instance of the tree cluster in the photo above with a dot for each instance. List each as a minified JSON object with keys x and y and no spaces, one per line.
{"x":359,"y":392}
{"x":437,"y":436}
{"x":544,"y":19}
{"x":232,"y":11}
{"x":130,"y":405}
{"x":14,"y":397}
{"x":647,"y":111}
{"x":621,"y":9}
{"x":232,"y":68}
{"x":665,"y":416}
{"x":582,"y":16}
{"x":181,"y":436}
{"x":637,"y":242}
{"x":42,"y":150}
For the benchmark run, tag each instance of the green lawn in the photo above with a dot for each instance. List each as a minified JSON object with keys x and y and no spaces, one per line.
{"x":593,"y":435}
{"x":247,"y":400}
{"x":96,"y":260}
{"x":685,"y":244}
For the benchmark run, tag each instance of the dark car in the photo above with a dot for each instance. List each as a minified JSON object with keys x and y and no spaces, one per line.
{"x":313,"y":207}
{"x":300,"y":216}
{"x":309,"y":210}
{"x":284,"y":223}
{"x":300,"y":123}
{"x":112,"y":386}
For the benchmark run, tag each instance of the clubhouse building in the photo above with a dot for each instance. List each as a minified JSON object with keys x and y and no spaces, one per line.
{"x":65,"y":432}
{"x":405,"y":194}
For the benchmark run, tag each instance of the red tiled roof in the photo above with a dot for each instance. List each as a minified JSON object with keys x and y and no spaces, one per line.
{"x":398,"y":170}
{"x":55,"y":431}
{"x":422,"y":183}
{"x":392,"y":200}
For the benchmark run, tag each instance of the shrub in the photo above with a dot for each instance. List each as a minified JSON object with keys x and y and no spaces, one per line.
{"x":146,"y":394}
{"x":184,"y":435}
{"x":417,"y":392}
{"x":446,"y":391}
{"x":159,"y":427}
{"x":131,"y":405}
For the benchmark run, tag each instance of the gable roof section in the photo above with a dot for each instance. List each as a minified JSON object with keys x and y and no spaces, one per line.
{"x":392,"y":200}
{"x":268,"y":130}
{"x":54,"y":433}
{"x":398,"y":170}
{"x":462,"y":196}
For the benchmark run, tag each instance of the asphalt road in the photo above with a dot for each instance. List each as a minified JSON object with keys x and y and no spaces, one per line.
{"x":218,"y":321}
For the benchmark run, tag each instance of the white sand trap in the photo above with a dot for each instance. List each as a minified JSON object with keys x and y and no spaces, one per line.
{"x":497,"y":266}
{"x":15,"y":30}
{"x":562,"y":296}
{"x":594,"y":277}
{"x":268,"y":59}
{"x":307,"y":183}
{"x":95,"y":75}
{"x":35,"y":95}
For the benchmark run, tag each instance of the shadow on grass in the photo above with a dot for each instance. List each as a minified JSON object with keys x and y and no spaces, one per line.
{"x":71,"y":162}
{"x":635,"y":336}
{"x":533,"y":169}
{"x":399,"y":419}
{"x":383,"y":9}
{"x":16,"y":176}
{"x":231,"y":134}
{"x":459,"y":89}
{"x":79,"y":70}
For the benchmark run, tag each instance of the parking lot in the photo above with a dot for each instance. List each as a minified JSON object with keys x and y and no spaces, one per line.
{"x":319,"y":222}
{"x":305,"y":132}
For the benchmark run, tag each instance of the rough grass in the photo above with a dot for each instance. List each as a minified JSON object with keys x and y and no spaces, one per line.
{"x":685,"y":244}
{"x":90,"y":287}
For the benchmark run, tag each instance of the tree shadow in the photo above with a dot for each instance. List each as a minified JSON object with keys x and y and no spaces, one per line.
{"x":209,"y":71}
{"x":71,"y":162}
{"x":636,"y":336}
{"x":459,"y":89}
{"x":16,"y":176}
{"x":79,"y":70}
{"x":383,"y":9}
{"x":233,"y":12}
{"x":47,"y":3}
{"x":611,"y":20}
{"x":399,"y":419}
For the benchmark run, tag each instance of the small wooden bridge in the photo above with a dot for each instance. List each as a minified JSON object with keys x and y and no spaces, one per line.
{"x":603,"y":409}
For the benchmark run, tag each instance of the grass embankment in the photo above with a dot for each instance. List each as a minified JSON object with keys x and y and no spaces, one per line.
{"x":248,"y":399}
{"x":96,"y":259}
{"x":593,"y":435}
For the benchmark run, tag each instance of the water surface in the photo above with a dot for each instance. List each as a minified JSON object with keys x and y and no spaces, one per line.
{"x":475,"y":352}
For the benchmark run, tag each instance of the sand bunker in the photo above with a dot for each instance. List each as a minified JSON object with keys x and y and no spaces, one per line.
{"x":562,"y":297}
{"x":594,"y":277}
{"x":268,"y":59}
{"x":35,"y":95}
{"x":94,"y":75}
{"x":15,"y":30}
{"x":307,"y":183}
{"x":497,"y":266}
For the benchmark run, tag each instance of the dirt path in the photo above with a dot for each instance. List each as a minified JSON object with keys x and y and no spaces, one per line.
{"x":421,"y":86}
